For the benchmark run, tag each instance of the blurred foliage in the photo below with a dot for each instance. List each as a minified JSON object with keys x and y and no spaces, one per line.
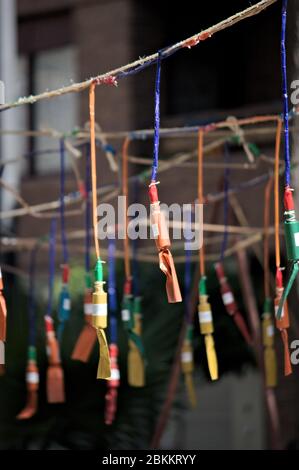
{"x":79,"y":423}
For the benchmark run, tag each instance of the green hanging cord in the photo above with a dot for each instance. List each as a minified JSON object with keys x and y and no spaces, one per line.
{"x":202,"y":286}
{"x":32,"y":353}
{"x":98,"y":271}
{"x":267,"y":306}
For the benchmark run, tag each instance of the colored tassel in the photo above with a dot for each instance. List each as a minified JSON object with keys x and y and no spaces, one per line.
{"x":99,"y":322}
{"x":207,"y":329}
{"x":160,"y":232}
{"x":231,"y":304}
{"x":3,"y":312}
{"x":55,"y":375}
{"x":112,"y":386}
{"x":88,"y":336}
{"x":32,"y":383}
{"x":283,"y":324}
{"x":136,"y":369}
{"x":187,"y":365}
{"x":268,"y":342}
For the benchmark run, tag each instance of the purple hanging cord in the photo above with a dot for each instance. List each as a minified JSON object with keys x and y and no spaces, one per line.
{"x":285,"y":94}
{"x":157,"y":121}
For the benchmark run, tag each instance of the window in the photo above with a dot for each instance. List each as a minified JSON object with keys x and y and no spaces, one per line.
{"x":52,"y":69}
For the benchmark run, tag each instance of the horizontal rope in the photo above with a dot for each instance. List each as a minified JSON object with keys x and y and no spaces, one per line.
{"x":144,"y":62}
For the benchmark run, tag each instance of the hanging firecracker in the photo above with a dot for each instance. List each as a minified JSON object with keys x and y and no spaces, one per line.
{"x":204,"y":308}
{"x":87,"y":338}
{"x":99,"y":296}
{"x":158,"y":221}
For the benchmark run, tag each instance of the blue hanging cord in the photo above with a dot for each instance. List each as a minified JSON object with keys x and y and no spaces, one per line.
{"x":31,"y":297}
{"x":88,"y":211}
{"x":62,"y":193}
{"x":157,"y":120}
{"x":112,"y":297}
{"x":52,"y":249}
{"x":225,"y":202}
{"x":285,"y":94}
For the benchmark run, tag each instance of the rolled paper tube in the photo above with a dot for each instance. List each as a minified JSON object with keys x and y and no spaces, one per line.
{"x":99,"y":301}
{"x":32,"y":376}
{"x":115,"y":375}
{"x":270,"y":368}
{"x":32,"y":384}
{"x":284,"y":321}
{"x":88,"y":306}
{"x":85,"y":343}
{"x":64,"y":304}
{"x":88,"y":336}
{"x":205,"y":316}
{"x":159,"y":227}
{"x":187,"y":358}
{"x":187,"y":365}
{"x":55,"y":384}
{"x":226,"y":292}
{"x":30,"y":407}
{"x":136,"y":370}
{"x":268,"y":330}
{"x":291,"y":226}
{"x":55,"y":375}
{"x":112,"y":386}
